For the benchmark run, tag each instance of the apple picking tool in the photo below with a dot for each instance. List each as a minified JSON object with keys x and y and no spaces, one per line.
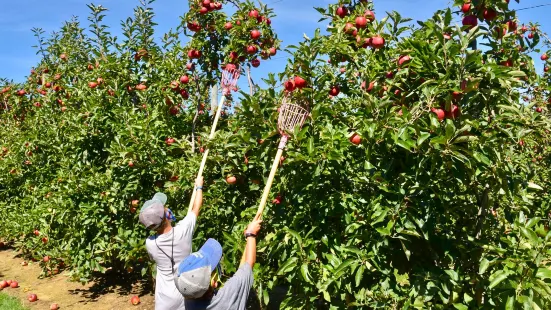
{"x":228,"y":83}
{"x":290,"y":117}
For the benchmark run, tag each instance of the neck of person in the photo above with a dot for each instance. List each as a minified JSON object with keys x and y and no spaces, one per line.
{"x":165,"y":228}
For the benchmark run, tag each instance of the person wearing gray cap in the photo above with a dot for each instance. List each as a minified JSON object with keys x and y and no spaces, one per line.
{"x":196,"y":276}
{"x":169,"y":244}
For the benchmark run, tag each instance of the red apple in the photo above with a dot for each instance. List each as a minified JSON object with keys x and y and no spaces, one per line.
{"x":184,"y":93}
{"x":350,"y":29}
{"x":54,"y":307}
{"x":440,"y":114}
{"x":174,"y":110}
{"x":454,"y":113}
{"x":253,"y":14}
{"x":377,"y":42}
{"x":361,"y":22}
{"x":32,"y":297}
{"x":46,"y":259}
{"x":92,"y":84}
{"x":130,"y":164}
{"x":169,"y":141}
{"x":4,"y":284}
{"x":489,"y":14}
{"x":36,"y":232}
{"x":403,"y":59}
{"x":255,"y":34}
{"x":342,"y":11}
{"x":251,"y":49}
{"x":289,"y":85}
{"x":299,"y":82}
{"x":544,"y":57}
{"x":184,"y":79}
{"x":369,"y":15}
{"x":231,"y":180}
{"x":135,"y":300}
{"x":470,"y":20}
{"x":355,"y":139}
{"x":277,"y":200}
{"x":14,"y":284}
{"x":228,"y":25}
{"x":272,"y":51}
{"x":538,"y":109}
{"x":255,"y":62}
{"x":44,"y":240}
{"x":466,"y":7}
{"x":334,"y":91}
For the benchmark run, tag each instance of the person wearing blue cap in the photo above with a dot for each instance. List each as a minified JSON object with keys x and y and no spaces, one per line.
{"x":195,"y":276}
{"x":169,"y":244}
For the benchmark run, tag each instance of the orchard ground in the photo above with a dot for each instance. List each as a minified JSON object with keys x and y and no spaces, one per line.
{"x":102,"y":294}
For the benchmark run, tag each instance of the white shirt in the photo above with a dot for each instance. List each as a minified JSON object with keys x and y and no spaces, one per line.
{"x":167,"y":296}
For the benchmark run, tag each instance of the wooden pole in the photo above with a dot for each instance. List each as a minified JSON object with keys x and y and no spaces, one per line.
{"x":269,"y":183}
{"x":206,"y":154}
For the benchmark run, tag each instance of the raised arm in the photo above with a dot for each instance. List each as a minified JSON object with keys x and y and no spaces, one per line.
{"x":250,"y":248}
{"x":198,"y":197}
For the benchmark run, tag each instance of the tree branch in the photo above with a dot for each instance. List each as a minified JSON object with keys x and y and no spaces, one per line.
{"x":482,"y":211}
{"x":251,"y":83}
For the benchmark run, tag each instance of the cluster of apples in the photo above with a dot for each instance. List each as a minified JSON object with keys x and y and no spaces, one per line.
{"x":360,"y":22}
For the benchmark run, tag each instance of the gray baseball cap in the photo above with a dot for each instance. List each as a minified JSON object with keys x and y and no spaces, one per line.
{"x":152,"y":213}
{"x":192,"y":276}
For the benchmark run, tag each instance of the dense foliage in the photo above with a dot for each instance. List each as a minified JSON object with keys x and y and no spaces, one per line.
{"x":420,"y":181}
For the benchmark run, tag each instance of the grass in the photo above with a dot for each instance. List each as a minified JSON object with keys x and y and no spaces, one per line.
{"x":10,"y":303}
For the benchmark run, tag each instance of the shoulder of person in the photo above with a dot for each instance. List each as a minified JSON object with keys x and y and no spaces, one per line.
{"x":189,"y":218}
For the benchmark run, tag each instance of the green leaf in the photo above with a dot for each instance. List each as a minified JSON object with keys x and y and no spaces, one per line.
{"x":482,"y":158}
{"x":498,"y":277}
{"x":530,"y":235}
{"x":517,"y":73}
{"x":289,"y":265}
{"x":422,"y":137}
{"x":326,"y":296}
{"x":343,"y":266}
{"x":304,"y":272}
{"x":510,"y":305}
{"x":450,"y":129}
{"x":544,"y":273}
{"x":310,"y":146}
{"x":484,"y":264}
{"x":359,"y":275}
{"x":534,"y":186}
{"x":460,"y":307}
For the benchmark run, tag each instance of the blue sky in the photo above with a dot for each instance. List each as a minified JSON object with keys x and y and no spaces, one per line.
{"x":295,"y":18}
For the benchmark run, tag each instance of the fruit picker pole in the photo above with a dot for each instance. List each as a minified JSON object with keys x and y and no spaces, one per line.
{"x":229,"y":81}
{"x":275,"y":165}
{"x":268,"y":187}
{"x":290,"y":116}
{"x":206,"y":153}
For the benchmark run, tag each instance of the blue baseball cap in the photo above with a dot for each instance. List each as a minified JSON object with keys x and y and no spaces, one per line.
{"x":193,"y":274}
